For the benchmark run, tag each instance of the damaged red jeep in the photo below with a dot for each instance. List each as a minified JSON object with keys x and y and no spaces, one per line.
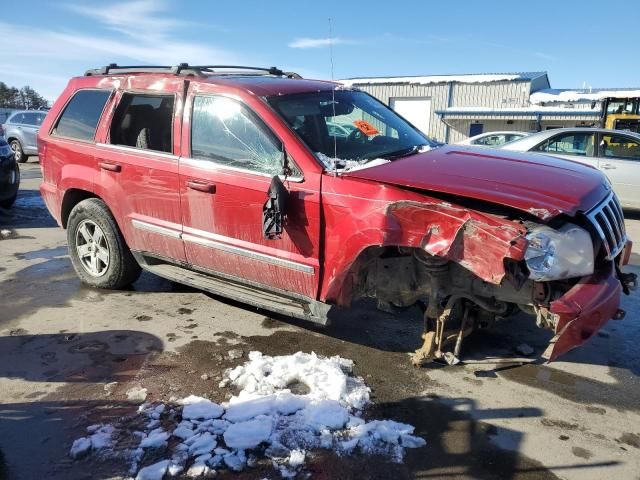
{"x":298,"y":195}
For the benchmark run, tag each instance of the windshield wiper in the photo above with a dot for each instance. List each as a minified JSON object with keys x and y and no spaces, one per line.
{"x":405,"y":152}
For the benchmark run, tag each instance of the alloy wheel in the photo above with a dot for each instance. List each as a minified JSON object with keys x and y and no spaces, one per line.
{"x":17,"y":150}
{"x":92,"y":248}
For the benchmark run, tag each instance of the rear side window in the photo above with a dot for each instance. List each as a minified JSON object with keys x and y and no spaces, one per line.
{"x":618,"y":146}
{"x":144,"y":121}
{"x":80,"y":118}
{"x":16,"y":118}
{"x":33,"y":118}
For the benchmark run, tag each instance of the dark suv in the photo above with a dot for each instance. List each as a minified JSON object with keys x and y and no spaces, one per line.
{"x":229,"y":179}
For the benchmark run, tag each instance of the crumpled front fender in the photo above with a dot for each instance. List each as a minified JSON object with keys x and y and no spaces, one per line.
{"x":479,"y":242}
{"x":476,"y":241}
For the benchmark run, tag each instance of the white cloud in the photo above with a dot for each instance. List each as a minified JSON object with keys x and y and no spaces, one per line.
{"x":315,"y":42}
{"x":142,"y":19}
{"x":136,"y":32}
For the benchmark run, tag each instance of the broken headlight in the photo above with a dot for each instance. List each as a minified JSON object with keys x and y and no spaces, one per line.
{"x":558,"y":254}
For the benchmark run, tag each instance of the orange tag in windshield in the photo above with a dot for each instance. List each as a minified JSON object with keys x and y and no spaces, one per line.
{"x":366,"y":128}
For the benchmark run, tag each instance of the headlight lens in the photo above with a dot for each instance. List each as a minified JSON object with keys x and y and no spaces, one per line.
{"x":558,"y":254}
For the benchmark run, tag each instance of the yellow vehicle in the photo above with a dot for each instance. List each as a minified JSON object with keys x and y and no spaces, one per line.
{"x":621,"y":114}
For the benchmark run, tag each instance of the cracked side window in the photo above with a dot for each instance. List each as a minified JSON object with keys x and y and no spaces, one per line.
{"x":226,"y":132}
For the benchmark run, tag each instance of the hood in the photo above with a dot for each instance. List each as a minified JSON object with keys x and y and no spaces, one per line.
{"x":541,"y":185}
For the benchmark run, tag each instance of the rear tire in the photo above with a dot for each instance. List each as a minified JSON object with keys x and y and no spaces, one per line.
{"x":16,"y":146}
{"x":98,"y":252}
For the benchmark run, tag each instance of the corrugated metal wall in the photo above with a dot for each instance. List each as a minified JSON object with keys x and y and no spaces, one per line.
{"x":494,"y":95}
{"x":436,"y":92}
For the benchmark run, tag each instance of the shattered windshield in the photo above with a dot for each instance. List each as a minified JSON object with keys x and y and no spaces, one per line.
{"x":348,"y":129}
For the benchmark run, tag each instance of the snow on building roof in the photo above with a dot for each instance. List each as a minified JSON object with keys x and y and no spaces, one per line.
{"x":555,"y":95}
{"x":515,"y":112}
{"x":530,"y":109}
{"x":465,"y":78}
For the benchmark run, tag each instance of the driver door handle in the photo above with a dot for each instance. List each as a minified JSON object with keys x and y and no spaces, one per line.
{"x":608,"y":166}
{"x":112,"y":167}
{"x":201,"y":186}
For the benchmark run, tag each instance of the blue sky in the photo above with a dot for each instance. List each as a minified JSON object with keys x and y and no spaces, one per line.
{"x":572,"y":40}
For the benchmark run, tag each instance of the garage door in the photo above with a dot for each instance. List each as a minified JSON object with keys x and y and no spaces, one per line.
{"x":416,"y":110}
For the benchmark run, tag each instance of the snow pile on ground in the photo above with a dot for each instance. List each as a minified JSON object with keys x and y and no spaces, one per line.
{"x":99,"y":438}
{"x":286,"y":407}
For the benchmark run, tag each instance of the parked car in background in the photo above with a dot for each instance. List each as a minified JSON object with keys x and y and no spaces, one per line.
{"x":615,"y":152}
{"x":340,"y":129}
{"x":20,"y":131}
{"x":493,"y":139}
{"x":9,"y":176}
{"x":226,"y":179}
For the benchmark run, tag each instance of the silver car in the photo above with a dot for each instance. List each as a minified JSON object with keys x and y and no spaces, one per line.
{"x":493,"y":139}
{"x":617,"y":154}
{"x":20,"y":131}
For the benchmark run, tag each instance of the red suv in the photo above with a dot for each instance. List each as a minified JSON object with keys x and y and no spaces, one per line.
{"x":229,"y":179}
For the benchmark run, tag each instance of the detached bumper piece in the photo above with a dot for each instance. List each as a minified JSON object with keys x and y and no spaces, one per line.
{"x":585,"y":308}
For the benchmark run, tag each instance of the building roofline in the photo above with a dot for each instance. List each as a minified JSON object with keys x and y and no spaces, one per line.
{"x":449,"y":78}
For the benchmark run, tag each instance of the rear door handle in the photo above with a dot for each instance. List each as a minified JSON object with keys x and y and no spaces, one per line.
{"x":608,"y":166}
{"x":201,"y":186}
{"x":112,"y":167}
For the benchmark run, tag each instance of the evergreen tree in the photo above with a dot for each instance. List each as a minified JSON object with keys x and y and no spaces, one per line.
{"x":24,"y":99}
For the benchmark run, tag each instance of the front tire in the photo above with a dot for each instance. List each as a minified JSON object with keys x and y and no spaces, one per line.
{"x":98,"y":252}
{"x":16,"y":146}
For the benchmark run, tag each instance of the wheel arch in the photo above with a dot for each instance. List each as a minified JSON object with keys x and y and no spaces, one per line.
{"x":71,"y":198}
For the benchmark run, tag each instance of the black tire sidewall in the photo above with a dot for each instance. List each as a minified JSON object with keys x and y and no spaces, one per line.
{"x":8,"y":202}
{"x":122,"y":269}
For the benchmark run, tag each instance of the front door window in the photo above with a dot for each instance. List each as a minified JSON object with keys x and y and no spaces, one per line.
{"x":226,"y":132}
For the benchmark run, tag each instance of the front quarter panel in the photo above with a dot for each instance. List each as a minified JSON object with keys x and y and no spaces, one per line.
{"x":381,"y":215}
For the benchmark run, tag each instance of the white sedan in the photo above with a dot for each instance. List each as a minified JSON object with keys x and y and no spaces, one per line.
{"x":617,"y":154}
{"x":493,"y":139}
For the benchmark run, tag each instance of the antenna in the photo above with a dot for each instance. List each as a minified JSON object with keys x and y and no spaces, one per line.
{"x":333,"y":97}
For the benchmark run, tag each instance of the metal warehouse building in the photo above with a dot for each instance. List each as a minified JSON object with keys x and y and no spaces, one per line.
{"x":451,"y":108}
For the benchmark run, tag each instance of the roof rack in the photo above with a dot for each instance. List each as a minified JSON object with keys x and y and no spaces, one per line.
{"x":186,"y":69}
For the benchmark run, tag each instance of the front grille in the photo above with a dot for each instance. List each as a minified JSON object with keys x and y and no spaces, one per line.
{"x":608,"y":220}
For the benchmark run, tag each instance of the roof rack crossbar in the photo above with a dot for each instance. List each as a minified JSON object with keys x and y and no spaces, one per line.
{"x":185,"y":69}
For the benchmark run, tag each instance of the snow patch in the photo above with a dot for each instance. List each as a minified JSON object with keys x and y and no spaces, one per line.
{"x":265,"y":419}
{"x":426,"y":80}
{"x":345,"y":165}
{"x":153,"y":472}
{"x":99,"y":439}
{"x":198,"y":408}
{"x":249,"y":434}
{"x":553,"y":95}
{"x":137,"y":394}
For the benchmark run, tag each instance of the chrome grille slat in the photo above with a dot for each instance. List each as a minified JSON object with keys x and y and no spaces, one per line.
{"x":608,"y":220}
{"x":619,"y":210}
{"x":614,"y":223}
